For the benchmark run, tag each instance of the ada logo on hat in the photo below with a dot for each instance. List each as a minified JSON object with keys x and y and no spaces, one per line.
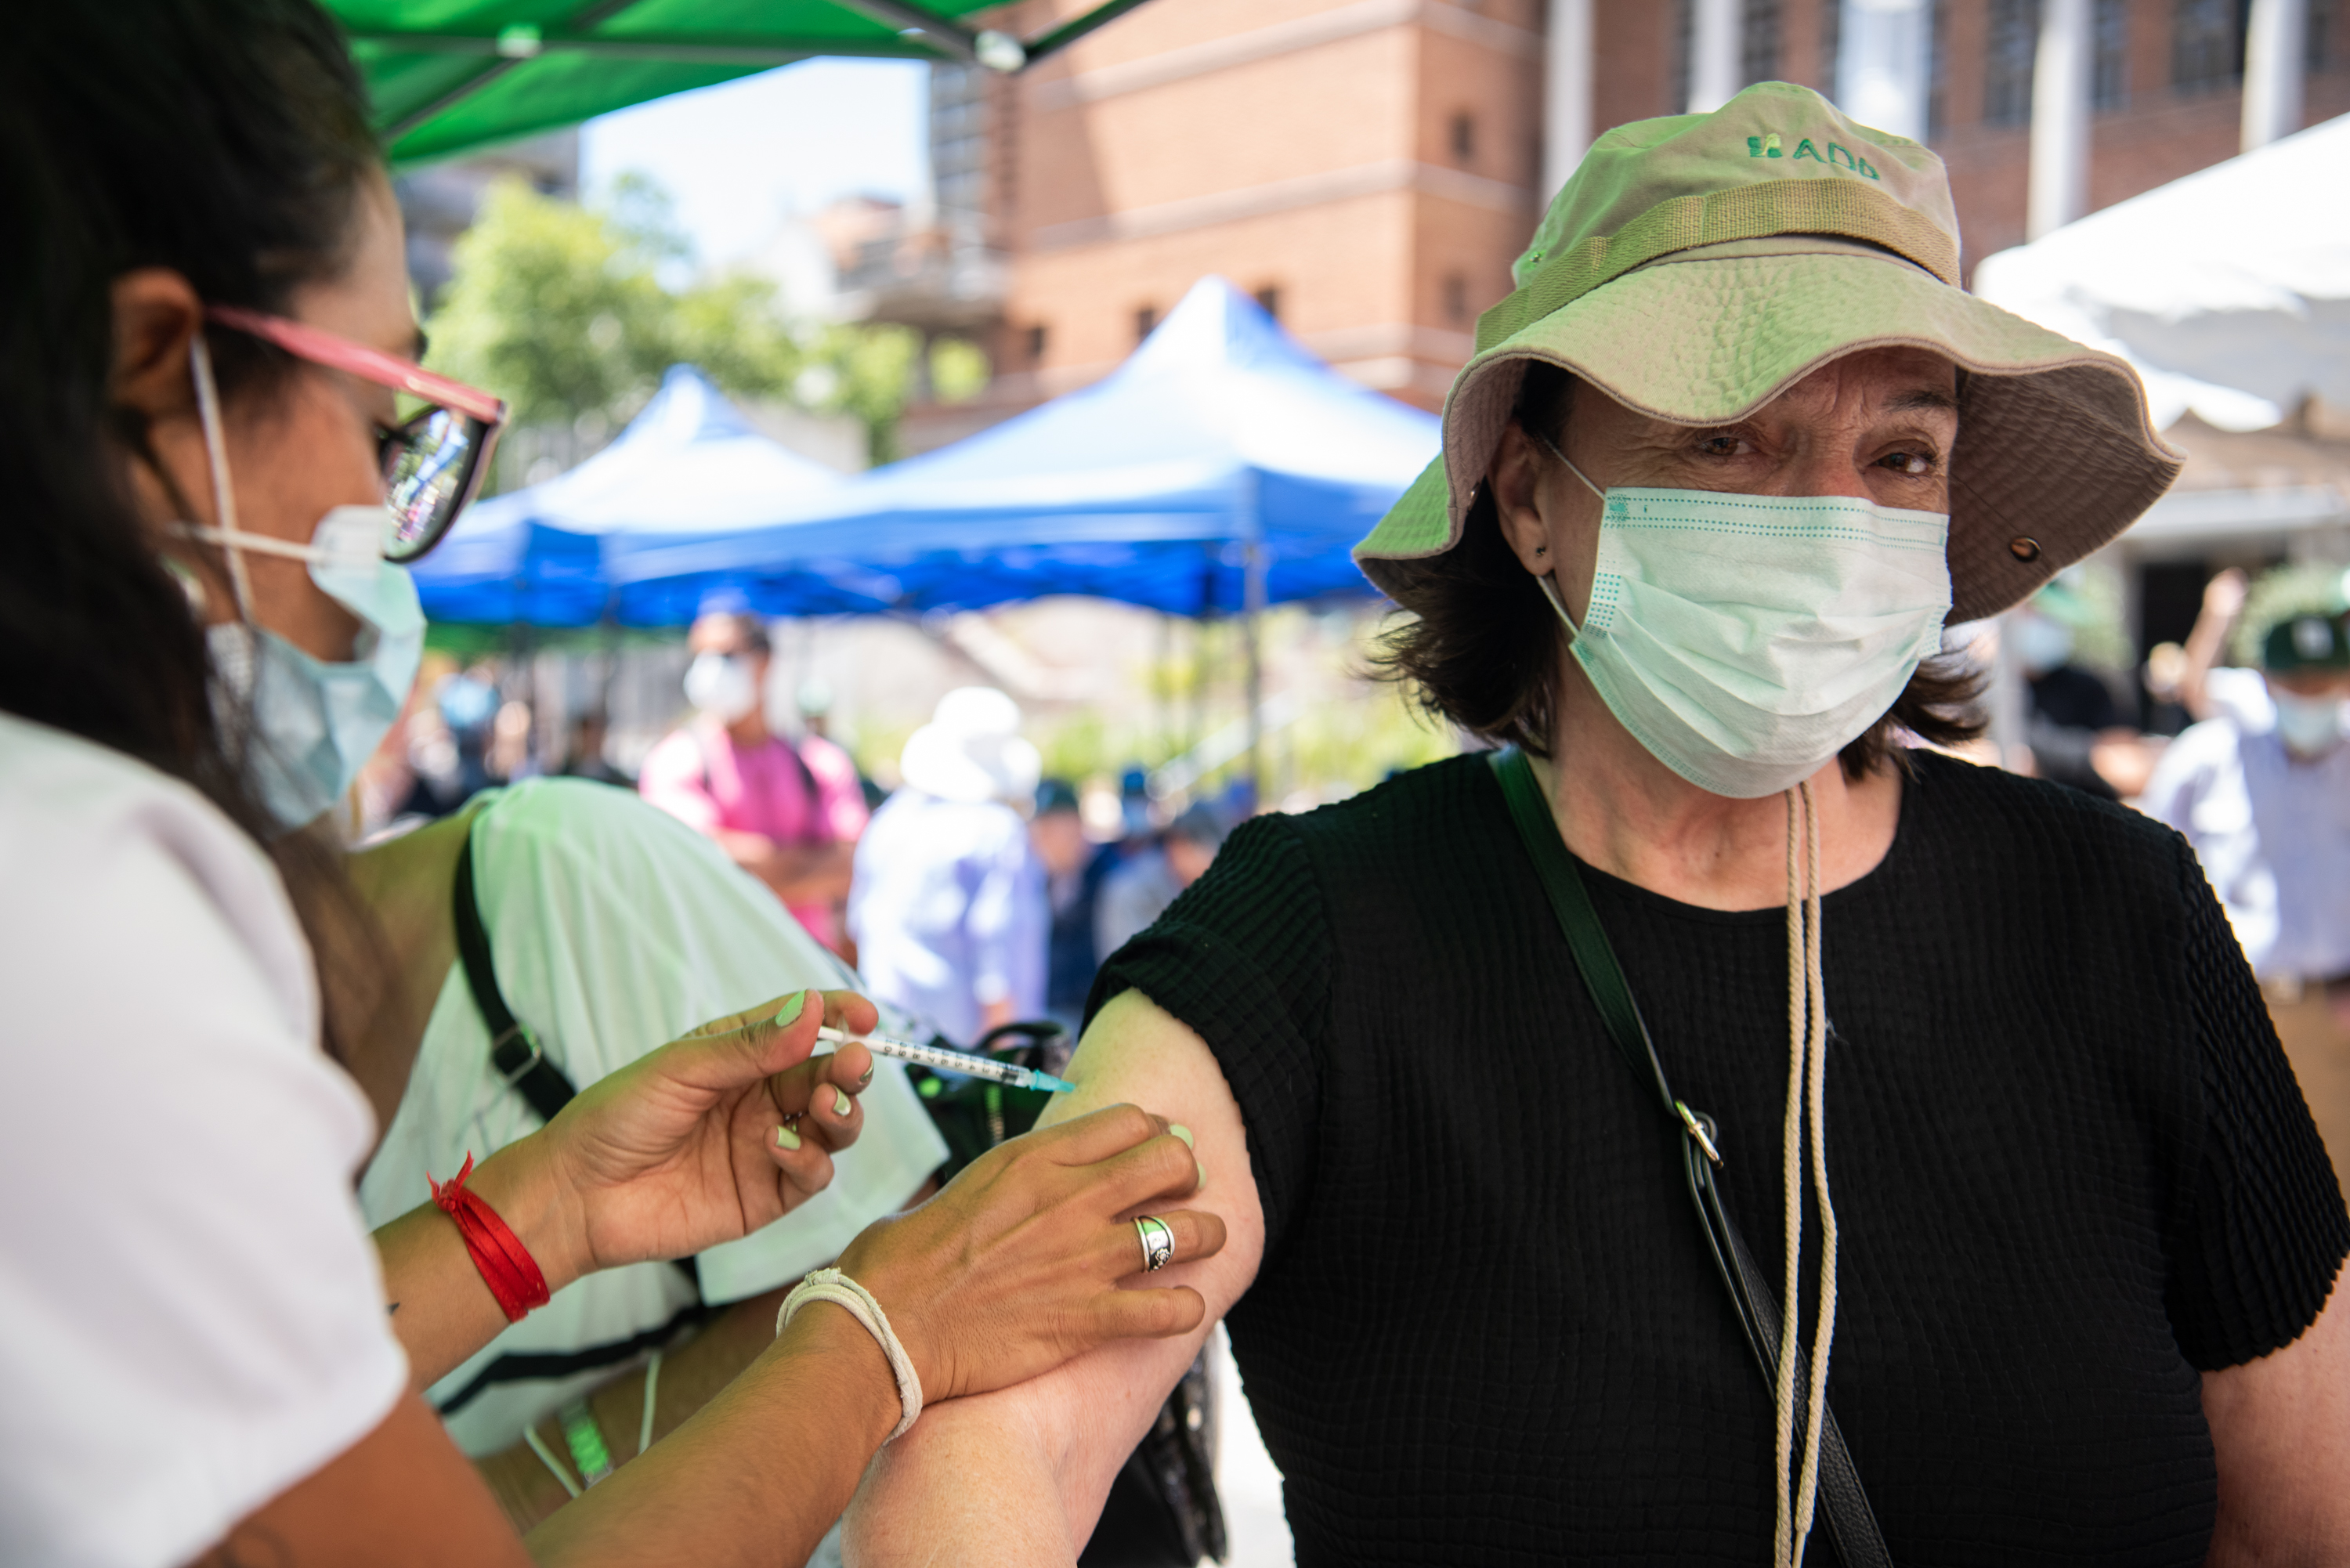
{"x":1767,"y":146}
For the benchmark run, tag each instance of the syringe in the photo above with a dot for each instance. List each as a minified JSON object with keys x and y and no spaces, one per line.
{"x":941,"y":1061}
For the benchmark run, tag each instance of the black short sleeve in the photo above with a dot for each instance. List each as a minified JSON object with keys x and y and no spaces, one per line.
{"x":1244,"y":957}
{"x":2265,"y":1230}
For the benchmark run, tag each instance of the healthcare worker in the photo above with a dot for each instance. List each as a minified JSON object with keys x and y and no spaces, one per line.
{"x":208,"y":1358}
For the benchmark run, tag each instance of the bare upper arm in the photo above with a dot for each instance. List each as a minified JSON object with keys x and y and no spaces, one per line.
{"x":1049,"y":1447}
{"x":2280,"y":1434}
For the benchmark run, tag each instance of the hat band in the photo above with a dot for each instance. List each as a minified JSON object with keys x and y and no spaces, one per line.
{"x":1755,"y":212}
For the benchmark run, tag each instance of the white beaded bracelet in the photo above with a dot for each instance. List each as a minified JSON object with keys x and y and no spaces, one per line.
{"x":831,"y":1285}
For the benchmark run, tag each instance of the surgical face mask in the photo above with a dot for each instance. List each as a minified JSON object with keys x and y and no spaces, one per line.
{"x":2309,"y":725}
{"x":722,"y":685}
{"x":1746,"y":639}
{"x":315,"y":723}
{"x":2042,"y":644}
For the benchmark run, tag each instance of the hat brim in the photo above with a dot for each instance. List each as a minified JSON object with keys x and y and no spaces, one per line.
{"x":2055,"y":456}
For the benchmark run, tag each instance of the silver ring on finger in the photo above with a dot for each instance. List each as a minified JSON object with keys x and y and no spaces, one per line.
{"x":1158,"y":1242}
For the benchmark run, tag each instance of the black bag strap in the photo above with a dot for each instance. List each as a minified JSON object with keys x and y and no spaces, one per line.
{"x":1851,"y":1523}
{"x":513,"y":1052}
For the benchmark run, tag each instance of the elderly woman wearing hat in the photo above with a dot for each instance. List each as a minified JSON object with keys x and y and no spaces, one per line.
{"x":1534,"y":1086}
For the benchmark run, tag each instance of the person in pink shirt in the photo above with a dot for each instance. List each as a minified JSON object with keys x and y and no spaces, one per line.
{"x":788,"y":814}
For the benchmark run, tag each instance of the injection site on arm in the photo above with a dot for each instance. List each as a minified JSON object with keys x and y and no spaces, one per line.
{"x":1050,"y":1447}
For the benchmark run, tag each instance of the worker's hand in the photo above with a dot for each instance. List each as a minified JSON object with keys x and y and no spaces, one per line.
{"x":1016,"y":1267}
{"x":711,"y":1137}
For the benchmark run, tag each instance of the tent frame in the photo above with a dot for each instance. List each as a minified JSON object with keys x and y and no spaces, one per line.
{"x":922,"y":36}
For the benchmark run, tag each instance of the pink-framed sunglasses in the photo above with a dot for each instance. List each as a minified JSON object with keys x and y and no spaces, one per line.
{"x":434,"y":463}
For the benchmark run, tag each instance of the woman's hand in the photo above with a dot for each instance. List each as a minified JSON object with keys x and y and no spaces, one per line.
{"x":1017,"y":1266}
{"x":681,"y":1151}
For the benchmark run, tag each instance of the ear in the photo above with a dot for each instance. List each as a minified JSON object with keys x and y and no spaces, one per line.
{"x":156,"y":312}
{"x":1514,"y":476}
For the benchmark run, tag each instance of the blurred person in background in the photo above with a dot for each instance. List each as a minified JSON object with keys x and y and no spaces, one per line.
{"x":1075,"y":868}
{"x":586,"y":755}
{"x":2265,"y":801}
{"x":449,"y":760}
{"x":2074,"y":728}
{"x":1140,"y":887}
{"x":601,"y":927}
{"x":948,"y":907}
{"x":205,"y":629}
{"x":787,"y":812}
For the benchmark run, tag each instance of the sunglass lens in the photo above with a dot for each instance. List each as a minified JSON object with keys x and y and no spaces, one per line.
{"x":430,"y":469}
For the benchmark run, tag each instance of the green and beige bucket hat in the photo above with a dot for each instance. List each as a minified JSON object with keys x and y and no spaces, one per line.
{"x":1697,"y":265}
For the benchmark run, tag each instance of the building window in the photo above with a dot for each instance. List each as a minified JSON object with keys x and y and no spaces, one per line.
{"x":1268,"y":297}
{"x":2207,"y":44}
{"x":1145,"y":319}
{"x":2011,"y":42}
{"x":958,"y":139}
{"x":1758,"y":42}
{"x":1462,"y":137}
{"x":1036,"y":338}
{"x":1938,"y":67}
{"x":1456,"y":300}
{"x":1831,"y":44}
{"x":2317,"y":32}
{"x":2109,"y":53}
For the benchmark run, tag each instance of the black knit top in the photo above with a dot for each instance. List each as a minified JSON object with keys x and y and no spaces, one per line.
{"x":2070,"y":1165}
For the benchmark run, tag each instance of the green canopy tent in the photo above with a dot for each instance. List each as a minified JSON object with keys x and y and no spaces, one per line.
{"x":447,"y":76}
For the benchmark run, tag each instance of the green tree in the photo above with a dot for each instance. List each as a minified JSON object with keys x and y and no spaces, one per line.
{"x":562,"y":311}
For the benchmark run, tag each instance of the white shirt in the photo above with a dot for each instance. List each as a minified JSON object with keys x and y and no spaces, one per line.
{"x":193,"y":1316}
{"x":2273,"y":835}
{"x":948,"y":911}
{"x":615,"y":929}
{"x":2235,"y":693}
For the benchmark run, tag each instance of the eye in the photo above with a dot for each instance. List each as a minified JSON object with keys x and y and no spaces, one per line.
{"x":1916,"y":464}
{"x":1722,"y":443}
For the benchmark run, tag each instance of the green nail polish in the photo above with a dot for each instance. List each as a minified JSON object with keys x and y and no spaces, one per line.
{"x":789,"y":1012}
{"x":839,"y":1101}
{"x":787,"y":1137}
{"x":1179,"y":1131}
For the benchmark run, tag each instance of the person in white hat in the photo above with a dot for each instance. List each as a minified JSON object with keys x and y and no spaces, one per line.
{"x":1707,"y":1117}
{"x":947,"y":903}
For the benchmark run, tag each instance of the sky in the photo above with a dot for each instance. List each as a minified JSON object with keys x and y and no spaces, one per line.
{"x":739,"y":156}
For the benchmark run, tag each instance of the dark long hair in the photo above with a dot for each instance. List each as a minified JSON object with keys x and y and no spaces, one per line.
{"x":1480,"y":646}
{"x":227,"y":141}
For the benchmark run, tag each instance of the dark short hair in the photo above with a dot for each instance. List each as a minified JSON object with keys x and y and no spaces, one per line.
{"x":1480,"y":646}
{"x":228,"y":141}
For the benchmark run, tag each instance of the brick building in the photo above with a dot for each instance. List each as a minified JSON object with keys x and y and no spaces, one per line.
{"x":1369,"y":168}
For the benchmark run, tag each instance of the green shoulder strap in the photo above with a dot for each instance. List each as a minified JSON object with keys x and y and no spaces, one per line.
{"x":1851,"y":1523}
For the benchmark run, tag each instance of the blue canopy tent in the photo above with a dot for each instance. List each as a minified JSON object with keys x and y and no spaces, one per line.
{"x":1222,"y":467}
{"x":537,"y":556}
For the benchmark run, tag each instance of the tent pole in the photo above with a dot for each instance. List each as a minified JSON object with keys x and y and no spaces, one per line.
{"x":1252,"y":631}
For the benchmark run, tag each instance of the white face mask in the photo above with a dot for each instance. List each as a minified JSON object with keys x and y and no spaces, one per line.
{"x":315,"y":723}
{"x":1746,"y":639}
{"x":2310,"y":726}
{"x":722,"y":685}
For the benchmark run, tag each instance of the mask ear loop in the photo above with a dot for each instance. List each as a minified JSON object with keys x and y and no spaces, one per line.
{"x":227,"y":536}
{"x":1549,"y":580}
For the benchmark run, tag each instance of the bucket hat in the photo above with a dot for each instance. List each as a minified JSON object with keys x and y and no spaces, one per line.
{"x":970,"y":751}
{"x":1697,"y":265}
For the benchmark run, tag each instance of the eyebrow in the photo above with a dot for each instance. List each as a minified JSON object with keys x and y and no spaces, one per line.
{"x":1921,"y":398}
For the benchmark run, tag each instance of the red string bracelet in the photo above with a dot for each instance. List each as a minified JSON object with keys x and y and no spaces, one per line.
{"x":506,"y":1265}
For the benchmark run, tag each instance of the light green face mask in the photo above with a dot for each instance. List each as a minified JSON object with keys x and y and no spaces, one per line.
{"x":1746,"y":639}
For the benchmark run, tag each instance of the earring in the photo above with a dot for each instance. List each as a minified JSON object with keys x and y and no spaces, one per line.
{"x":1541,"y":550}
